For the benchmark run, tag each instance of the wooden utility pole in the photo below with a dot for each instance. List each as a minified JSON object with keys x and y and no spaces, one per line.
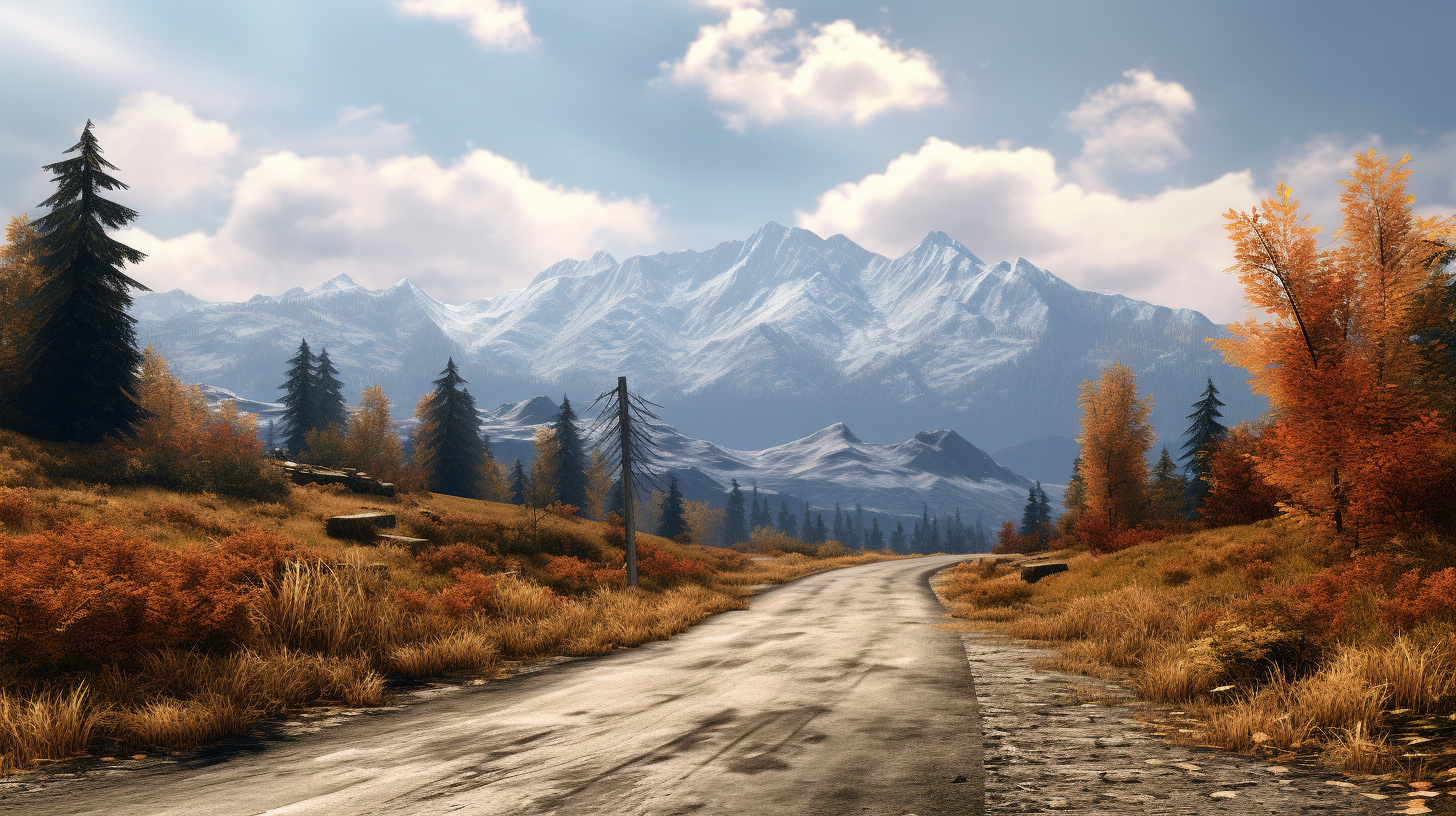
{"x":628,"y":489}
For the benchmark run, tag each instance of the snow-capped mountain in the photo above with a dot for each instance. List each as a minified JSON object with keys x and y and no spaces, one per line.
{"x":749,"y":343}
{"x":938,"y":470}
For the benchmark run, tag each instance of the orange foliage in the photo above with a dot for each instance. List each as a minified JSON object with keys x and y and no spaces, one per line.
{"x":660,"y":565}
{"x":1416,"y":599}
{"x":573,"y":574}
{"x":1115,"y":439}
{"x":1009,"y":542}
{"x":1355,"y":443}
{"x":444,"y":560}
{"x":87,"y":593}
{"x":15,"y":509}
{"x":1237,"y":493}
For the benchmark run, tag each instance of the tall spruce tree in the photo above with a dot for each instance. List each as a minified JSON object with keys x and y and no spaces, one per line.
{"x":518,"y":485}
{"x":1043,"y":513}
{"x":78,"y":368}
{"x":447,"y":445}
{"x":807,"y":530}
{"x":1167,"y":490}
{"x":860,"y":534}
{"x":300,"y":402}
{"x":1029,"y":514}
{"x":570,"y":461}
{"x":330,"y":409}
{"x":788,"y":525}
{"x":821,"y":530}
{"x":674,"y":523}
{"x":1203,"y":436}
{"x":981,"y":544}
{"x":897,"y":538}
{"x":735,"y":526}
{"x":877,"y":539}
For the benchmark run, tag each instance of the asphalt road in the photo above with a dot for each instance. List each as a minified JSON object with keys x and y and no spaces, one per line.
{"x":834,"y":694}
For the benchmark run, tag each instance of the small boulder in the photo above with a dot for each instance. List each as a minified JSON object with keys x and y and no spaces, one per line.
{"x":358,"y":527}
{"x":1031,"y":573}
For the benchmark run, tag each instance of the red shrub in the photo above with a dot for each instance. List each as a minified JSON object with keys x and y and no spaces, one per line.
{"x":87,"y":593}
{"x":14,"y":507}
{"x":1415,"y":599}
{"x":572,"y":574}
{"x":660,"y":565}
{"x":447,"y":559}
{"x":1258,"y":570}
{"x":471,"y":593}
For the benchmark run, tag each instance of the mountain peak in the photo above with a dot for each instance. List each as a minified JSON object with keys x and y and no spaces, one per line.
{"x":339,"y":283}
{"x":838,"y":432}
{"x":937,"y":239}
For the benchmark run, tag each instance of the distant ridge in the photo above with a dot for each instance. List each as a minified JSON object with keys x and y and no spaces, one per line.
{"x":752,"y":341}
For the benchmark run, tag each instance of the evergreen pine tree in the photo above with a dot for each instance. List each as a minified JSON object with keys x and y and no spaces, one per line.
{"x":1031,"y":513}
{"x":1074,"y":497}
{"x":78,"y":369}
{"x":932,"y":540}
{"x":1203,"y":436}
{"x":1168,"y":490}
{"x":299,"y":401}
{"x":876,"y":540}
{"x":1043,"y":514}
{"x":897,"y":538}
{"x":570,"y":460}
{"x":673,"y":523}
{"x":960,"y":534}
{"x":860,"y":535}
{"x":519,"y":486}
{"x":808,"y":526}
{"x":788,"y":525}
{"x":330,"y":410}
{"x":981,"y":543}
{"x":447,"y":443}
{"x":735,"y":525}
{"x":838,"y":524}
{"x":821,"y":530}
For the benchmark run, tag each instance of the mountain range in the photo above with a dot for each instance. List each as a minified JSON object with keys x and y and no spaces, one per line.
{"x":749,"y":344}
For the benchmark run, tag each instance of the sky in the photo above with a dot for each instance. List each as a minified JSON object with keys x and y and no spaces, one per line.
{"x":469,"y":144}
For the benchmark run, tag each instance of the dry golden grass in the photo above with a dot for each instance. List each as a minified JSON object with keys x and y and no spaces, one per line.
{"x":48,"y":725}
{"x":1150,"y":612}
{"x":329,"y":629}
{"x":795,"y":565}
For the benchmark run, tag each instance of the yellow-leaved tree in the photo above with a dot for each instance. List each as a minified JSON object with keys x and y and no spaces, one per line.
{"x":371,"y":445}
{"x":1115,"y":439}
{"x":1355,"y":441}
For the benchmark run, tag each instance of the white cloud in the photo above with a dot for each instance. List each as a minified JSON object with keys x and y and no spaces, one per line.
{"x":474,"y":228}
{"x":1130,"y":125}
{"x":179,"y":154}
{"x":757,"y":68}
{"x":493,"y":23}
{"x":1169,"y":249}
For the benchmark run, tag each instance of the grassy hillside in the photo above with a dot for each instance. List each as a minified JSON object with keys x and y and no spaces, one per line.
{"x":1265,"y":639}
{"x":136,"y":618}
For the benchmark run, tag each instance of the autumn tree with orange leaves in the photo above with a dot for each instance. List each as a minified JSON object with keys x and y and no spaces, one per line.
{"x":1115,"y":439}
{"x":1355,"y":441}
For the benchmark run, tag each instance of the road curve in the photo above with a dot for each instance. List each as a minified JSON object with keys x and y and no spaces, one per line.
{"x":834,"y":694}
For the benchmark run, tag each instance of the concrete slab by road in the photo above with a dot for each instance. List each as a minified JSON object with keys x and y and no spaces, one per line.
{"x":834,"y":694}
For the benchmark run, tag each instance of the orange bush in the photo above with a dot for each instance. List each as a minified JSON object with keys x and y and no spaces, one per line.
{"x":15,"y":507}
{"x":660,"y":565}
{"x":87,"y":593}
{"x":471,"y":593}
{"x":460,"y":556}
{"x":572,"y":574}
{"x":1416,"y":599}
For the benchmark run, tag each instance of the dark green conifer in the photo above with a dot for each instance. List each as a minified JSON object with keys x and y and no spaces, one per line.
{"x":78,"y":369}
{"x":447,"y":445}
{"x":736,"y":525}
{"x":299,"y":398}
{"x":570,"y":460}
{"x":519,"y":486}
{"x":877,"y":540}
{"x":788,"y":525}
{"x":821,"y":530}
{"x":897,"y":538}
{"x":1202,"y":437}
{"x":331,"y":410}
{"x":673,"y":523}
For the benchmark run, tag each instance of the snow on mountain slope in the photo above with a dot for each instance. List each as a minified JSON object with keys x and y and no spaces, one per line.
{"x":751,"y":341}
{"x":935,"y":469}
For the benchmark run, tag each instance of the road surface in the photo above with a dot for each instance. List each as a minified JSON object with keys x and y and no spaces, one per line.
{"x":834,"y":694}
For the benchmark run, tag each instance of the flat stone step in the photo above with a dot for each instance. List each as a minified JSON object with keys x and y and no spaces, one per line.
{"x":415,"y":544}
{"x":359,"y":527}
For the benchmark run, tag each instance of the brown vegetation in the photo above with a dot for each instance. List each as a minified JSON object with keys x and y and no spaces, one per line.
{"x":139,"y":619}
